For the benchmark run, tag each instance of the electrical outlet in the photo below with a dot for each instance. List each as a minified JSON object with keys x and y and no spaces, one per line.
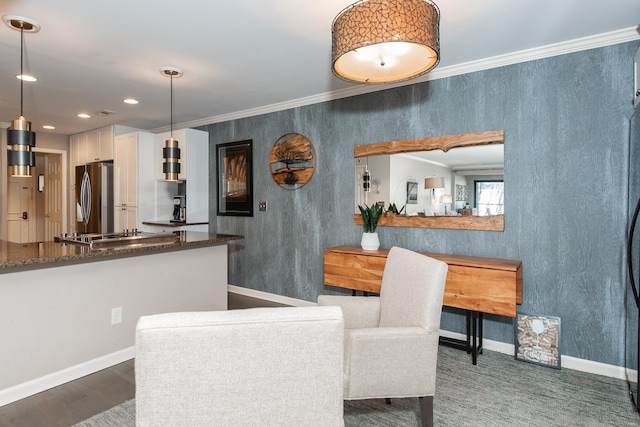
{"x":262,"y":206}
{"x":116,"y":315}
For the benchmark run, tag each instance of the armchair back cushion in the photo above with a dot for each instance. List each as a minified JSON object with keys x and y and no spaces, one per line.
{"x":264,"y":366}
{"x":403,"y":299}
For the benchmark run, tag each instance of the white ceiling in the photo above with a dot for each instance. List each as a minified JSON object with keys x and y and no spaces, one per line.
{"x":243,"y":57}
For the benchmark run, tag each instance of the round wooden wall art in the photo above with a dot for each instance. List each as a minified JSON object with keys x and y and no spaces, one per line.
{"x":292,"y":161}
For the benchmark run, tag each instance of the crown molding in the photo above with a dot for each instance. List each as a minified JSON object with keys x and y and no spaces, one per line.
{"x":556,"y":49}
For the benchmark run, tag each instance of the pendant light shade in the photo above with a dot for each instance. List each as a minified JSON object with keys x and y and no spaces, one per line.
{"x":171,"y":150}
{"x":385,"y":41}
{"x":20,"y":138}
{"x":366,"y":181}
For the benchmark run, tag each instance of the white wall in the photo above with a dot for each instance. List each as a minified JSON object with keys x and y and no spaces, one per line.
{"x":379,"y":168}
{"x":406,"y":168}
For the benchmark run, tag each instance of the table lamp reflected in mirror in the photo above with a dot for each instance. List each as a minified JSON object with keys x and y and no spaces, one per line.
{"x":446,"y":200}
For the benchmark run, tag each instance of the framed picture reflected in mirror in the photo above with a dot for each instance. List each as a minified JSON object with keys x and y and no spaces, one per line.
{"x":412,"y":193}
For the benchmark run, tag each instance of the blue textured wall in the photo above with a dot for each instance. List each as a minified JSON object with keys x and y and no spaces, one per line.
{"x":566,"y":160}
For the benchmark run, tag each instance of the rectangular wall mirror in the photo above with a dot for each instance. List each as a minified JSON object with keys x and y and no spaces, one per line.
{"x":460,"y":181}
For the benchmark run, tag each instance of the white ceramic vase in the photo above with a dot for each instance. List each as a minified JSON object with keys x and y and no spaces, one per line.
{"x":370,"y":241}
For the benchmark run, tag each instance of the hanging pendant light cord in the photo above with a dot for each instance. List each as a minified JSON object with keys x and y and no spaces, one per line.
{"x":21,"y":69}
{"x":171,"y":124}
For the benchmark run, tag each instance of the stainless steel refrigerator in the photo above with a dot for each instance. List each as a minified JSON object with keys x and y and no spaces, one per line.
{"x":94,"y":198}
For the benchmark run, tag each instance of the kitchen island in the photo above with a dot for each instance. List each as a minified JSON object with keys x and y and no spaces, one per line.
{"x":68,"y":310}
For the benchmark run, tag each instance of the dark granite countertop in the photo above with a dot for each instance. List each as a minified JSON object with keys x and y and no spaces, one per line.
{"x":29,"y":256}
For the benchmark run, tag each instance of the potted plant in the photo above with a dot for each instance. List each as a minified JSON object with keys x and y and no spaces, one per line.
{"x":393,"y":209}
{"x":370,"y":216}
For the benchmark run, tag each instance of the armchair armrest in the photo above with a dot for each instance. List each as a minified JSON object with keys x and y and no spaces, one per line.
{"x":390,"y":362}
{"x":358,"y":312}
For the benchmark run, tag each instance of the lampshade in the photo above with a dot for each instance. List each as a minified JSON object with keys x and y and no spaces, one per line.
{"x":383,"y":41}
{"x":446,"y":198}
{"x":434,"y":182}
{"x":171,"y":150}
{"x":20,"y":138}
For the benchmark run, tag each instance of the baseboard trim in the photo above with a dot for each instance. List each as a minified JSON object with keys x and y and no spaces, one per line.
{"x":269,"y":296}
{"x":567,"y":362}
{"x":20,"y":391}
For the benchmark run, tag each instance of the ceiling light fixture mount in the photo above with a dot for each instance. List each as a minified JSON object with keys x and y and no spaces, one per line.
{"x":171,"y":150}
{"x":20,"y":137}
{"x":385,"y":41}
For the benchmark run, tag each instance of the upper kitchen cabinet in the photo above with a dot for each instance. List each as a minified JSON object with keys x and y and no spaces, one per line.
{"x":95,"y":145}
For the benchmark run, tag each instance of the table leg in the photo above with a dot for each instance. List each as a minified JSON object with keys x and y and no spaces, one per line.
{"x":473,"y":344}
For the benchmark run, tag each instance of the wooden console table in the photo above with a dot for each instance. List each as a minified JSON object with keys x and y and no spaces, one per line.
{"x":475,"y":284}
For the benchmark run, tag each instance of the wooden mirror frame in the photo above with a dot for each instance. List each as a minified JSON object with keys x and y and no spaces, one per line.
{"x":444,"y":143}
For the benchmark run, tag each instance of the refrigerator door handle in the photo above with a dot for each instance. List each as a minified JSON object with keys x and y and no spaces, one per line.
{"x":85,"y":194}
{"x":81,"y":197}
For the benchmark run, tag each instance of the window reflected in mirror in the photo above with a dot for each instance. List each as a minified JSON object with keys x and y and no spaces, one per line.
{"x":489,"y":196}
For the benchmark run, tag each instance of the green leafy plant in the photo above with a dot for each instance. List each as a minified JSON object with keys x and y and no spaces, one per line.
{"x":394,"y":209}
{"x":370,"y":216}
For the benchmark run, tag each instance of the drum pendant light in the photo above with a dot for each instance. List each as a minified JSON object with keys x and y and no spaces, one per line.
{"x":385,"y":41}
{"x":171,"y":150}
{"x":20,"y":138}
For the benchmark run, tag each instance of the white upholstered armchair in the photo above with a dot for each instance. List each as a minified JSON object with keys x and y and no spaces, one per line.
{"x":254,"y":367}
{"x":391,"y":341}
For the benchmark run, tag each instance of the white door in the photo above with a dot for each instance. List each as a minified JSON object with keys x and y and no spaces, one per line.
{"x":21,"y":225}
{"x":52,"y":196}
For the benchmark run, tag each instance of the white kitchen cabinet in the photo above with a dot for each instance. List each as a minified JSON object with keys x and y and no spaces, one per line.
{"x":125,"y":218}
{"x":77,"y":148}
{"x":125,"y":170}
{"x":130,"y":150}
{"x":92,"y":147}
{"x":95,"y":145}
{"x":105,"y":143}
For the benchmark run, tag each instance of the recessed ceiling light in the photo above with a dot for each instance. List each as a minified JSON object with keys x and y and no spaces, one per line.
{"x":49,"y":127}
{"x":130,"y":101}
{"x":84,"y":116}
{"x":26,"y":78}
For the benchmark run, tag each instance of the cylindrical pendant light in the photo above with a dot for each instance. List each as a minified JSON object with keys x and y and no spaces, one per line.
{"x":20,"y":138}
{"x":366,"y":181}
{"x":171,"y":150}
{"x":384,"y":41}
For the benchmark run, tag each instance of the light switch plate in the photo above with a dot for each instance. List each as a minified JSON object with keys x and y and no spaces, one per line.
{"x":262,"y":206}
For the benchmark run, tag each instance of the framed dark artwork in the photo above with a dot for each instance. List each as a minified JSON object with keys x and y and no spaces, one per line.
{"x":292,"y":161}
{"x":412,"y":193}
{"x":538,"y":339}
{"x":234,"y":178}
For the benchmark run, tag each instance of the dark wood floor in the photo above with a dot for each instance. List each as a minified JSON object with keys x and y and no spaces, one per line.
{"x":78,"y":400}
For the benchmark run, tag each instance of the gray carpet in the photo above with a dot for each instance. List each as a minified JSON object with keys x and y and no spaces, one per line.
{"x":499,"y":391}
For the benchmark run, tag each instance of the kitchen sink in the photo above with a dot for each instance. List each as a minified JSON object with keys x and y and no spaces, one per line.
{"x":125,"y":238}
